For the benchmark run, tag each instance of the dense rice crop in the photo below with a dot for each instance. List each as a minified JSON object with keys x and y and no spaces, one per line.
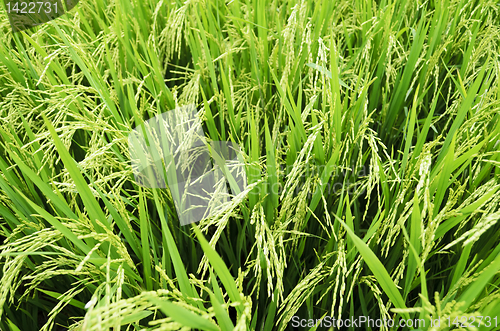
{"x":370,"y":136}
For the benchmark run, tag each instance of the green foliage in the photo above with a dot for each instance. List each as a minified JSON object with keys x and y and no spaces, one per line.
{"x":371,"y":140}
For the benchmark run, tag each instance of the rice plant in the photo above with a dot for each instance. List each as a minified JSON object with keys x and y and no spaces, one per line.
{"x":370,"y":139}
